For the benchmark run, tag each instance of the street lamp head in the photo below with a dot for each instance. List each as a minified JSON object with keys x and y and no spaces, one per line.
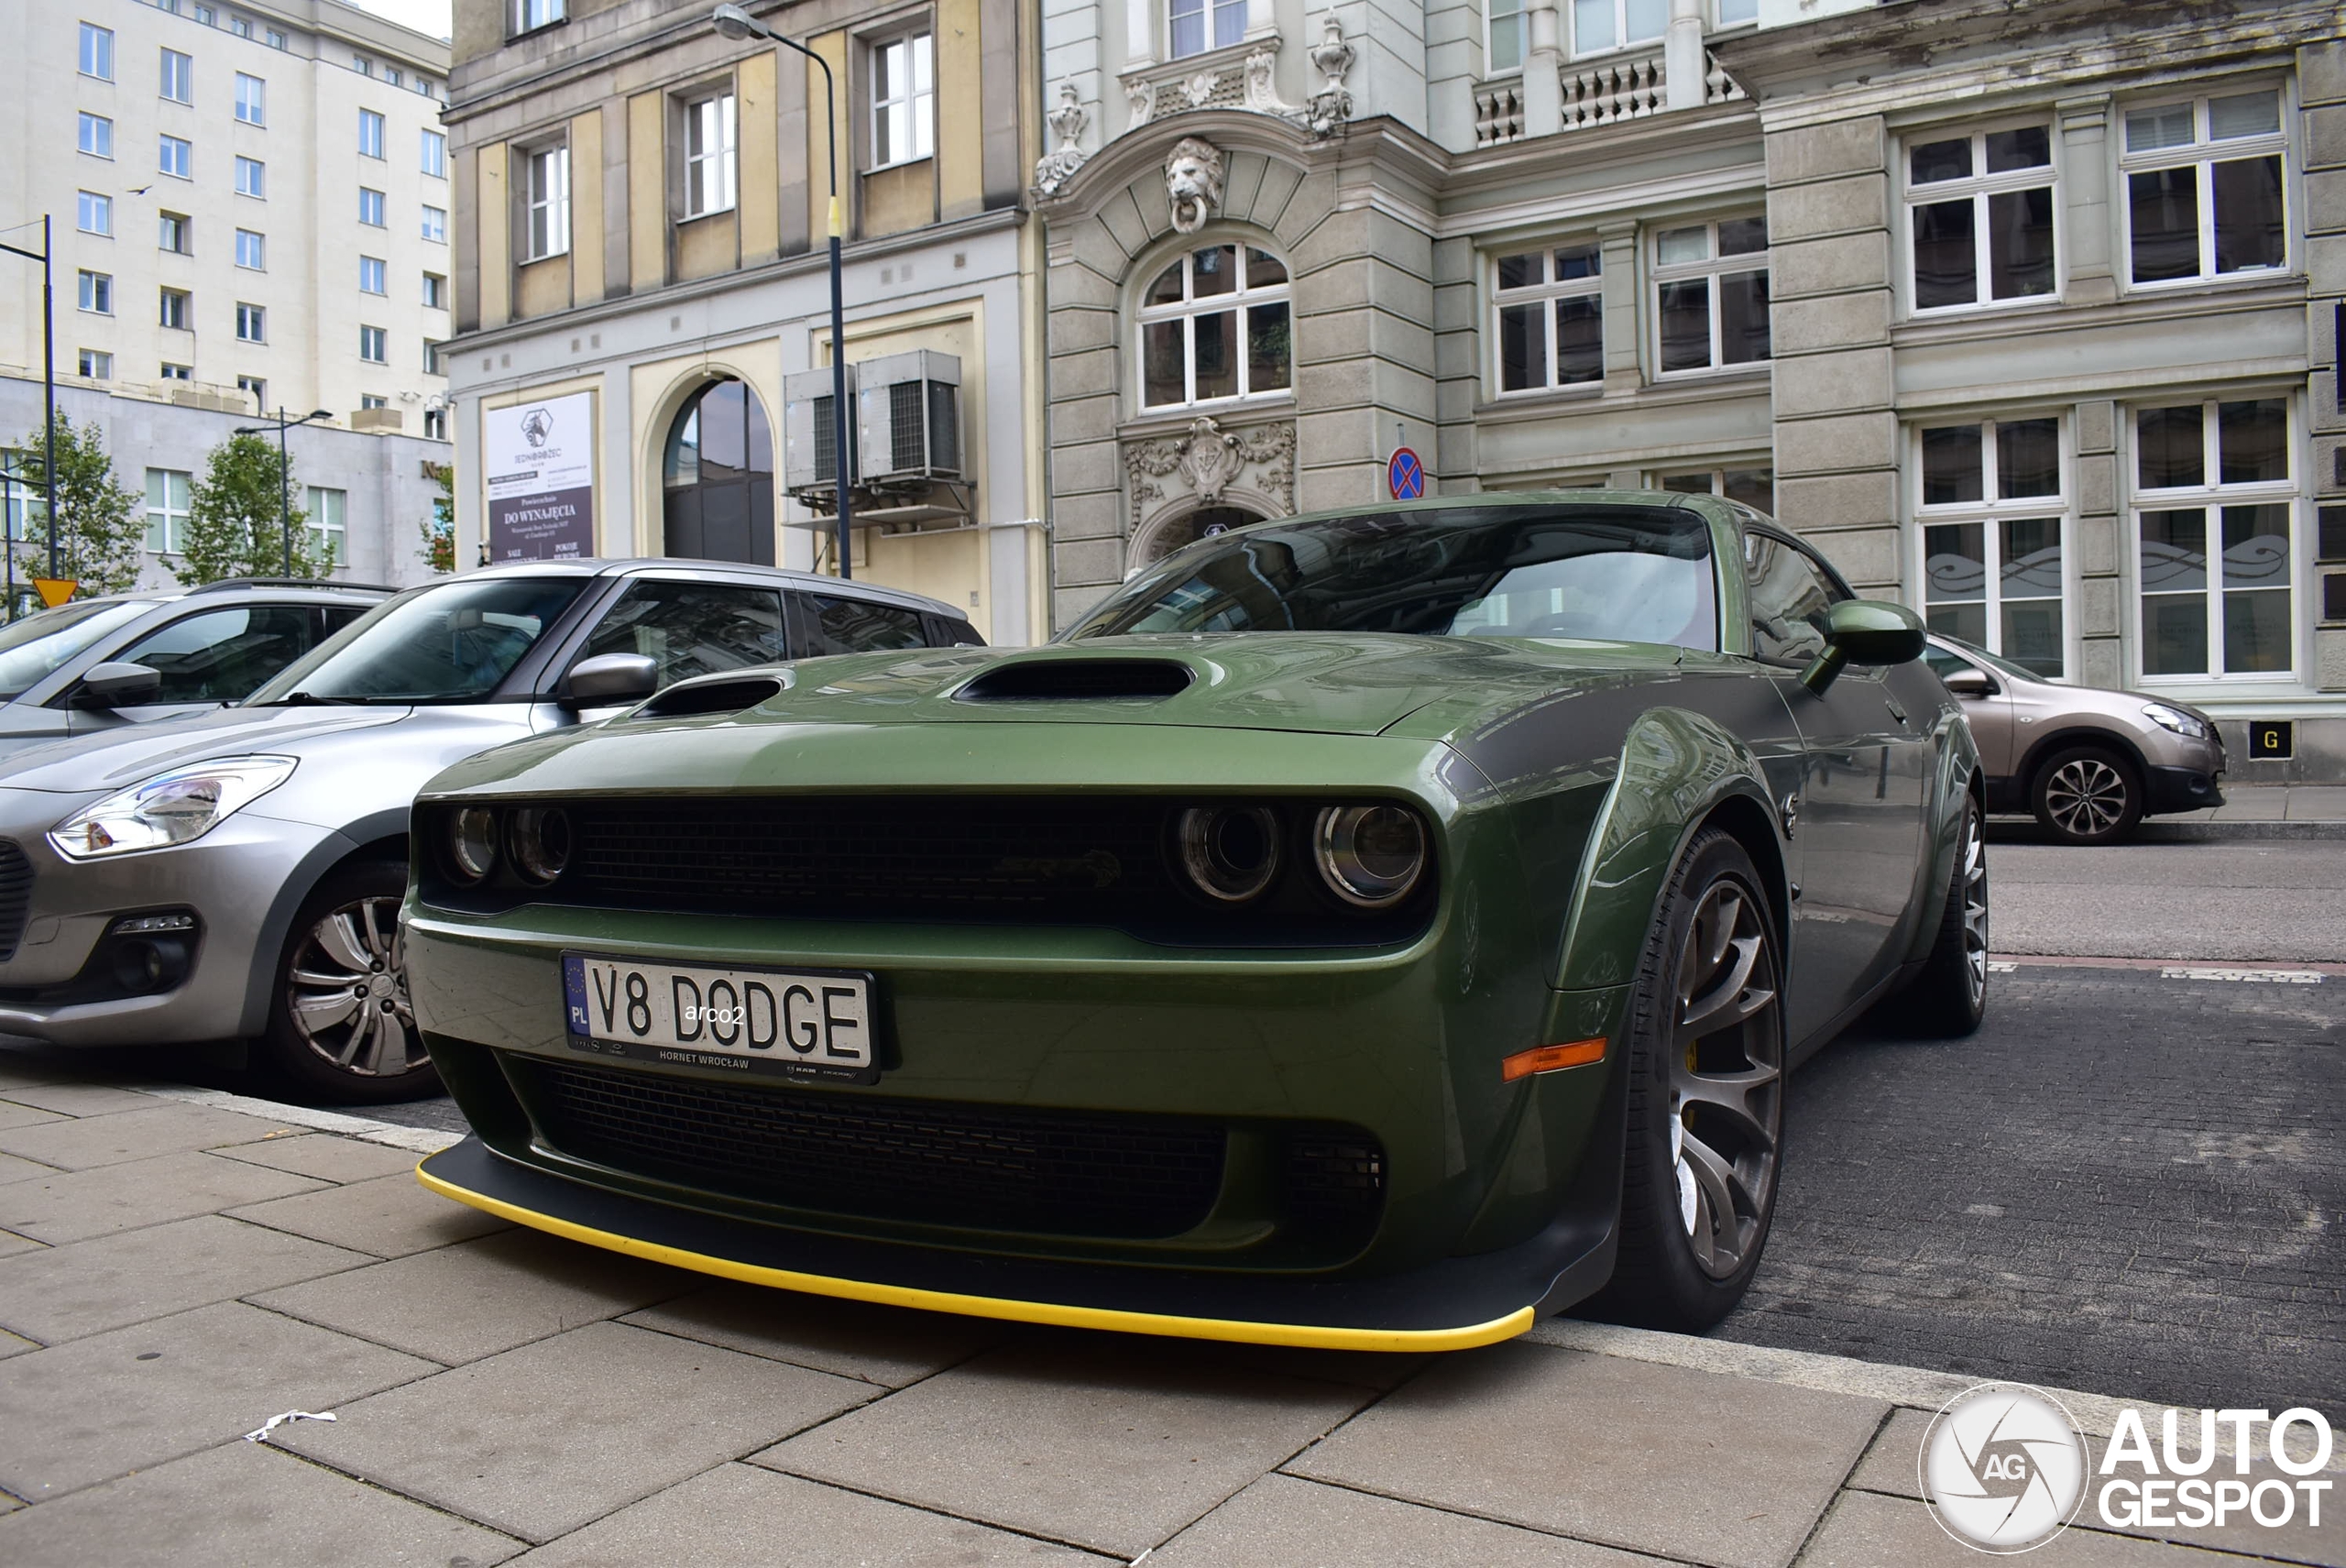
{"x":739,"y":25}
{"x":317,"y":413}
{"x":248,"y":430}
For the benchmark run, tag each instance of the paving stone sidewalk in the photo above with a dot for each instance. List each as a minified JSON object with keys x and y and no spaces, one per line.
{"x":174,"y":1274}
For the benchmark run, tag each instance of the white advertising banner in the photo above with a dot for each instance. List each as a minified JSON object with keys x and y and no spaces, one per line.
{"x":538,"y":460}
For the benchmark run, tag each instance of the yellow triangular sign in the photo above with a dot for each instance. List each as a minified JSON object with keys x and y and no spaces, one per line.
{"x":55,"y":591}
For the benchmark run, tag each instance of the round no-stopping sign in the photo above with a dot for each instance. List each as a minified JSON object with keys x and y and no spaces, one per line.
{"x":1405,"y":475}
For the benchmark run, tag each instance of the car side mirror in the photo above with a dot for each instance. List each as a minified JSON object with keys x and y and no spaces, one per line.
{"x":1864,"y":631}
{"x":114,"y":685}
{"x":1971,"y":683}
{"x":609,"y":679}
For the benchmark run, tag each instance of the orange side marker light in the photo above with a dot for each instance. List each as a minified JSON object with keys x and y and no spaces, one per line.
{"x":1547,"y":1058}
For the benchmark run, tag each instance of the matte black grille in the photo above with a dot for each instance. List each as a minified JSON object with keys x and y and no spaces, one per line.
{"x":15,"y":896}
{"x":995,"y":1167}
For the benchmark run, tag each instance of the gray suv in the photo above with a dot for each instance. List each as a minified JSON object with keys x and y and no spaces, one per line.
{"x":238,"y":874}
{"x":98,"y":663}
{"x":2090,"y":762}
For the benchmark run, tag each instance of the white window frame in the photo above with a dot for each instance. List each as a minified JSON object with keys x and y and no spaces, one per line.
{"x":2211,"y":497}
{"x":167,"y":522}
{"x":93,"y":292}
{"x":93,"y":214}
{"x":435,"y":291}
{"x":1990,"y":512}
{"x":433,"y":154}
{"x":1192,"y":305}
{"x":435,"y":225}
{"x":382,"y":205}
{"x":93,"y":134}
{"x":252,"y":323}
{"x":1714,"y":266}
{"x":258,"y":250}
{"x":1621,"y":42}
{"x":1715,"y":479}
{"x":240,"y":26}
{"x":168,"y":371}
{"x":183,"y":166}
{"x":1720,"y":20}
{"x":329,"y":523}
{"x":709,"y":137}
{"x":257,"y":388}
{"x":380,"y":340}
{"x":1978,"y":188}
{"x":374,"y":144}
{"x":252,"y":100}
{"x":175,"y":225}
{"x":255,"y":188}
{"x":545,"y":201}
{"x":1209,"y":15}
{"x":93,"y":365}
{"x":95,"y":52}
{"x":181,"y":75}
{"x":379,"y":270}
{"x":1545,"y":295}
{"x":275,"y":39}
{"x":916,"y":103}
{"x":1518,"y":21}
{"x":2202,"y":153}
{"x":529,"y":15}
{"x":165,"y":299}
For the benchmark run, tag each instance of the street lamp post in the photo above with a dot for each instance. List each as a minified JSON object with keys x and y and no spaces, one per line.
{"x":284,"y":472}
{"x":49,"y":375}
{"x":740,"y":26}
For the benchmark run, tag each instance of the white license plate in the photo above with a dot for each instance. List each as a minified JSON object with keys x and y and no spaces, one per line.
{"x":796,"y":1023}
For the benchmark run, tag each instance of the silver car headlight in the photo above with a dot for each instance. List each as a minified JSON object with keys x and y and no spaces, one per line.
{"x":176,"y":807}
{"x":1370,"y":856}
{"x":2187,"y":724}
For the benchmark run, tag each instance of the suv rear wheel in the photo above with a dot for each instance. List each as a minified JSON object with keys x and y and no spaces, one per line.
{"x":340,"y":1026}
{"x":2088,"y":794}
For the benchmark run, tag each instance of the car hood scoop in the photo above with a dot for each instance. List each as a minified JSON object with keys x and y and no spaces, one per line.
{"x":1079,"y":680}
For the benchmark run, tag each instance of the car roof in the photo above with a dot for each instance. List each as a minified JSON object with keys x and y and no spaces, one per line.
{"x":303,"y":589}
{"x":780,"y":576}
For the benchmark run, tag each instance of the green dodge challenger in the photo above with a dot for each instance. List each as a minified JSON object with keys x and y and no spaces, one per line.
{"x":1365,"y":930}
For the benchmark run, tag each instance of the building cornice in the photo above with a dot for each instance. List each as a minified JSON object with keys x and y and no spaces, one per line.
{"x":1378,"y":143}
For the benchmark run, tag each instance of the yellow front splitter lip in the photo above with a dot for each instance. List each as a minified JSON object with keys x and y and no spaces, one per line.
{"x":1310,"y":1336}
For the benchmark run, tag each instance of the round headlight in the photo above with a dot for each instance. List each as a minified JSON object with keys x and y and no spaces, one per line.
{"x":1231,"y":853}
{"x":472,"y":842}
{"x":541,"y":842}
{"x":1370,"y":855}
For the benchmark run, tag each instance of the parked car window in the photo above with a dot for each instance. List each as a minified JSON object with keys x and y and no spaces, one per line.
{"x":338,"y":615}
{"x":1979,"y":655}
{"x":856,"y":626}
{"x":221,"y":654}
{"x":1499,"y":571}
{"x":693,"y":628}
{"x":1945,"y":665}
{"x":1789,"y":597}
{"x":39,"y":644}
{"x":450,"y":642}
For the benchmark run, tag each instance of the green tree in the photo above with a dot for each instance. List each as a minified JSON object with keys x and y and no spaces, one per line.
{"x":440,"y":528}
{"x":101,"y":526}
{"x":237,"y":516}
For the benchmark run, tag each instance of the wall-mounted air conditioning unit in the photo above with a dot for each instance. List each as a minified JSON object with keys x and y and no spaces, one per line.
{"x":808,"y":450}
{"x":908,"y":417}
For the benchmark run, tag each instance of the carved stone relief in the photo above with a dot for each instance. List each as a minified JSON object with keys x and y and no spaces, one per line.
{"x":1206,"y":465}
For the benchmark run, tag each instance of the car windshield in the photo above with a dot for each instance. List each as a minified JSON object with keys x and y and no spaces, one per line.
{"x":1993,"y":661}
{"x":450,"y":642}
{"x":39,"y":644}
{"x":1631,"y":575}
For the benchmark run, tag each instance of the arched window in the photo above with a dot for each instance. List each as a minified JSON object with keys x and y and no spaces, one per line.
{"x":1214,"y":327}
{"x":717,"y":477}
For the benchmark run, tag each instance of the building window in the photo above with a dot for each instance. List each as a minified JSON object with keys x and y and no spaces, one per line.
{"x":252,"y":324}
{"x":531,"y":15}
{"x":435,"y":291}
{"x":708,"y":156}
{"x":546,"y":192}
{"x":1601,"y":25}
{"x":423,"y":84}
{"x":1993,"y":519}
{"x":174,"y":312}
{"x":370,"y":207}
{"x":370,"y":134}
{"x":1507,"y":43}
{"x":97,"y":51}
{"x":171,"y":372}
{"x":175,"y":157}
{"x":1196,"y":26}
{"x":2214,"y":500}
{"x":178,"y":77}
{"x":93,"y":214}
{"x":167,"y":497}
{"x":2204,"y":189}
{"x":1711,"y":294}
{"x":1735,"y":13}
{"x":361,"y":64}
{"x":276,"y":39}
{"x":435,"y":155}
{"x":241,"y":27}
{"x":432,"y":366}
{"x":256,"y":389}
{"x":436,"y":424}
{"x":391,"y":75}
{"x":252,"y":100}
{"x":175,"y":233}
{"x":904,"y":100}
{"x":374,"y":276}
{"x":374,"y":345}
{"x":96,"y":136}
{"x":435,"y":225}
{"x":329,"y":535}
{"x":252,"y":177}
{"x":1755,"y":487}
{"x":1548,"y":318}
{"x":205,"y":14}
{"x":1981,"y":218}
{"x":97,"y":293}
{"x":252,"y":251}
{"x":1214,"y":325}
{"x":95,"y":364}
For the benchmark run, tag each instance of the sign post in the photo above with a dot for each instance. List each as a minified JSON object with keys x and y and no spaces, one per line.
{"x":538,"y":463}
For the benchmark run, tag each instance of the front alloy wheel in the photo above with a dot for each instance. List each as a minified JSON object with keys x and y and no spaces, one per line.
{"x":2086,"y":795}
{"x":341,"y":1028}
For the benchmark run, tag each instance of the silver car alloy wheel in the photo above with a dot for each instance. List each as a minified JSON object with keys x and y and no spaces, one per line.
{"x":1973,"y":868}
{"x":2086,"y":795}
{"x":346,"y":991}
{"x":1725,"y":1078}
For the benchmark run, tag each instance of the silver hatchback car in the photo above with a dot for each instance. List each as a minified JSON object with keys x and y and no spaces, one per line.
{"x":2087,"y":761}
{"x":238,"y":874}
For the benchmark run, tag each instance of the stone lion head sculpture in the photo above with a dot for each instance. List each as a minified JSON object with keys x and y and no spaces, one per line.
{"x":1192,"y":182}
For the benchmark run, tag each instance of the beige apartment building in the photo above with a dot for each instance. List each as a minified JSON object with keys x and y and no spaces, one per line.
{"x":642,"y":290}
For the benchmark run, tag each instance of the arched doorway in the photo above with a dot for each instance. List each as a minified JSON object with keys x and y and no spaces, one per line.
{"x":717,"y":481}
{"x":1202,"y":523}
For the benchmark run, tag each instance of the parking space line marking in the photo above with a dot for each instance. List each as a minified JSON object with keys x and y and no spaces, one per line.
{"x":2175,"y":968}
{"x":2268,"y":976}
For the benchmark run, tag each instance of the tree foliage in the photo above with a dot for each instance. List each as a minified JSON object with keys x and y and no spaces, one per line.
{"x":440,"y":528}
{"x":101,"y":525}
{"x":237,"y":516}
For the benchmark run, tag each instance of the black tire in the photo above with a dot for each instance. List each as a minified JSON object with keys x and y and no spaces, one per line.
{"x":2086,"y":795}
{"x":344,"y":945}
{"x":1665,"y":1277}
{"x":1949,"y":997}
